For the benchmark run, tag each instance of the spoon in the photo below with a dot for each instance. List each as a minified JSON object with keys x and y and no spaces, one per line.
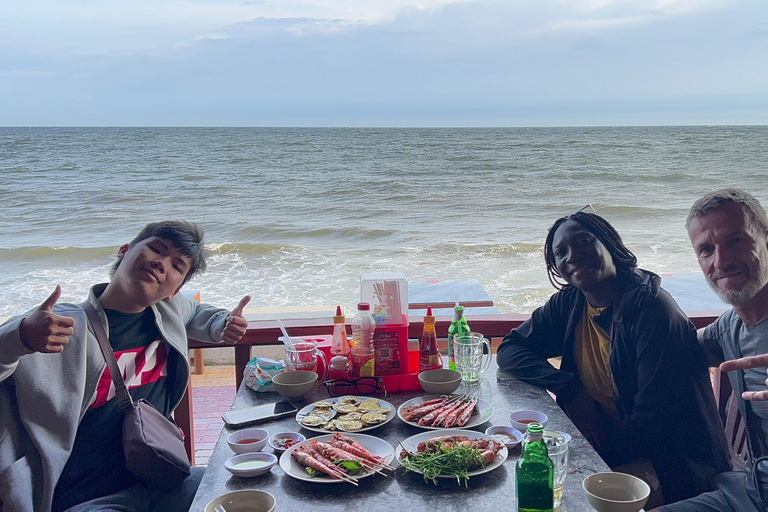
{"x":285,"y":338}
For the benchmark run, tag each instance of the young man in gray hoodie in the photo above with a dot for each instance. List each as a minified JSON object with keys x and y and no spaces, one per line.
{"x":60,"y":426}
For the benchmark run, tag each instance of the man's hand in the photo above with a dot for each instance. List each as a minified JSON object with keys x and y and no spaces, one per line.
{"x":43,"y":330}
{"x":236,"y":323}
{"x":744,"y":363}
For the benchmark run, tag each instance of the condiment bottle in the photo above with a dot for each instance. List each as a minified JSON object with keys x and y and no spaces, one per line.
{"x":339,"y":345}
{"x":535,"y":474}
{"x":338,"y":368}
{"x":458,"y":327}
{"x":363,"y":325}
{"x":429,"y":356}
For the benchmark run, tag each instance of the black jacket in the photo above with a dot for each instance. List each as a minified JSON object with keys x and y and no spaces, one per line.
{"x":665,"y":393}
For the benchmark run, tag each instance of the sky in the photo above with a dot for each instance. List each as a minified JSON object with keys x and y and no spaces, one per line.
{"x":383,"y":62}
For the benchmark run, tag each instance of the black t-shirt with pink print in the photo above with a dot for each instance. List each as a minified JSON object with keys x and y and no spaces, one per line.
{"x":96,"y":466}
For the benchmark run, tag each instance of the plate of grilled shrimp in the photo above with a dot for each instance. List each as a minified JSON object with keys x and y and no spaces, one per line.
{"x":456,"y":454}
{"x":441,"y":412}
{"x":337,"y":458}
{"x":346,"y":414}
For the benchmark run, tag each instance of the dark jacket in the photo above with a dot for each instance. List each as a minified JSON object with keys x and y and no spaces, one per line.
{"x":665,"y":393}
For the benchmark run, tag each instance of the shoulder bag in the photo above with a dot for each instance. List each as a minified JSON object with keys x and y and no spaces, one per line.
{"x":153,"y":445}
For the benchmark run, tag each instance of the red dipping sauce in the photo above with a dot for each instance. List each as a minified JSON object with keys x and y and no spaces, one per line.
{"x":247,"y":441}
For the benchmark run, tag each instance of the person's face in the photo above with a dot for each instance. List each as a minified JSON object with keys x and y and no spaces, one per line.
{"x":152,"y":268}
{"x":582,"y":260}
{"x":733,"y":257}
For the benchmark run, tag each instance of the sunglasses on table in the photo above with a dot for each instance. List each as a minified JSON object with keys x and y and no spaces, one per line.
{"x":361,"y":386}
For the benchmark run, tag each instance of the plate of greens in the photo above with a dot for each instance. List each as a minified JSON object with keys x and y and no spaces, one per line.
{"x":453,"y":453}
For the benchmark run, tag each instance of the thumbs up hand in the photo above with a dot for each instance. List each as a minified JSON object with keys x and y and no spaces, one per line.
{"x":43,"y":330}
{"x":236,"y":324}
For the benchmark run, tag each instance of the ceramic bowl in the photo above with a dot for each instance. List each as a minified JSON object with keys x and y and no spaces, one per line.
{"x":274,"y":443}
{"x":616,"y":492}
{"x":244,"y":501}
{"x":440,"y":382}
{"x":248,"y":440}
{"x":294,"y":385}
{"x":510,"y":436}
{"x":521,"y":419}
{"x":250,"y":464}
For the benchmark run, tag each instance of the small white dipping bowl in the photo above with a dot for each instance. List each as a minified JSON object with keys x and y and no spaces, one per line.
{"x":440,"y":382}
{"x":521,"y":419}
{"x":244,"y":501}
{"x":274,"y":443}
{"x":510,"y":436}
{"x":616,"y":492}
{"x":294,"y":385}
{"x":250,"y":464}
{"x":258,"y":436}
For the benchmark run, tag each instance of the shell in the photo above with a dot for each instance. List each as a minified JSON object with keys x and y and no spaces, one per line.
{"x":369,"y":405}
{"x":354,"y":416}
{"x":312,"y":420}
{"x":373,"y":418}
{"x":349,"y":426}
{"x":345,"y":408}
{"x":349,"y":399}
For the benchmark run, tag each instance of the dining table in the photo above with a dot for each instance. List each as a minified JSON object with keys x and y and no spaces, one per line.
{"x":401,"y":490}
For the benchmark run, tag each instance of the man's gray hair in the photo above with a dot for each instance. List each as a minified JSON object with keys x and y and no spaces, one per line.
{"x":756,"y":218}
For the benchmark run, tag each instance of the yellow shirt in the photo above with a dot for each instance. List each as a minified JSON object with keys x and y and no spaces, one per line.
{"x":592,"y":350}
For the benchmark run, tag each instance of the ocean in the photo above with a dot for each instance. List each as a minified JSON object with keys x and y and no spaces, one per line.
{"x":293,"y":216}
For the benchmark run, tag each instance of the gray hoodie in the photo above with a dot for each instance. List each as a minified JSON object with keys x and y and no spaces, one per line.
{"x":43,"y":397}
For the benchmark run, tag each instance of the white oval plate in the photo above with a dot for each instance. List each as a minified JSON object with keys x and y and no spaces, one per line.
{"x":383,"y":404}
{"x":483,"y":412}
{"x":412,"y":444}
{"x":376,"y":446}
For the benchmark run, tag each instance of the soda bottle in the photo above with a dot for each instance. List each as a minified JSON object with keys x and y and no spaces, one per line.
{"x":363,"y":325}
{"x":429,"y":356}
{"x":535,"y":474}
{"x":458,"y":327}
{"x":339,"y":345}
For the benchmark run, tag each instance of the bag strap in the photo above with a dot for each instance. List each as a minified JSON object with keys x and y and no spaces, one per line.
{"x":124,"y":399}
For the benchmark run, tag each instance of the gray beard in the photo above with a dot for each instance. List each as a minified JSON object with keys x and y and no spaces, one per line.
{"x":747,"y":292}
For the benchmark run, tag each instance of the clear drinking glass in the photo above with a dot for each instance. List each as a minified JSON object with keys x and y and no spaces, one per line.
{"x":472,"y":355}
{"x":557,"y":448}
{"x":303,"y":355}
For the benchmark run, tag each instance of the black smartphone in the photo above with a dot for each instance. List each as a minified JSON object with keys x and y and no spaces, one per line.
{"x":259,"y":413}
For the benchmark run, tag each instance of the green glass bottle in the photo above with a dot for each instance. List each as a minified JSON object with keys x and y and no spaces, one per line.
{"x":535,"y":474}
{"x":458,"y":327}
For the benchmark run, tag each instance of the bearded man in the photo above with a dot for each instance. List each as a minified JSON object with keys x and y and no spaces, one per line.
{"x":729,"y":233}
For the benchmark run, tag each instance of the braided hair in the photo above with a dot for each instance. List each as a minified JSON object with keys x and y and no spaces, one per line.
{"x":623,"y":258}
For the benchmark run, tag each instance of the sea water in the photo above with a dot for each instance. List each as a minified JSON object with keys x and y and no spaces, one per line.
{"x":293,"y":216}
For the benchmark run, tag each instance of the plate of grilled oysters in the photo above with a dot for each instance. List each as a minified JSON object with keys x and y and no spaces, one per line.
{"x":346,"y":414}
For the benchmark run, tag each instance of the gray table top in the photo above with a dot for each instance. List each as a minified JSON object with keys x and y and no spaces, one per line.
{"x":494,"y":490}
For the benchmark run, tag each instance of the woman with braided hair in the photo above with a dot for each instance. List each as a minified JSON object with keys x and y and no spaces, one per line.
{"x":632,"y":377}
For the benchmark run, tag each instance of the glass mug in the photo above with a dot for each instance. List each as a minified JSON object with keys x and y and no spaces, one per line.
{"x":303,"y":355}
{"x":557,"y":448}
{"x":471,"y":359}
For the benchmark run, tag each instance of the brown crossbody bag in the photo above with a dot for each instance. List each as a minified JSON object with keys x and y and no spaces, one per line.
{"x":153,"y":444}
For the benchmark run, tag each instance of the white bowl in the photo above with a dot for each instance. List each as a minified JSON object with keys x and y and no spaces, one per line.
{"x":616,"y":492}
{"x":521,"y":419}
{"x":297,"y":438}
{"x":250,"y":464}
{"x":294,"y":385}
{"x":440,"y":382}
{"x":258,"y":436}
{"x":242,"y":501}
{"x":511,"y":438}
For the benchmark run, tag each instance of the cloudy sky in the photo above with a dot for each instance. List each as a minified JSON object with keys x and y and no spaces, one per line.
{"x":383,"y":62}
